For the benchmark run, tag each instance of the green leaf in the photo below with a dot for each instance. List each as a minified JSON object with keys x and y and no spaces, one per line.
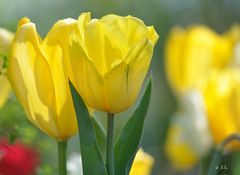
{"x":101,"y":136}
{"x":91,"y":157}
{"x":129,"y":139}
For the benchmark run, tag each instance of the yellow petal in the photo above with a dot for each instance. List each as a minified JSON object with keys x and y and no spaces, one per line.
{"x":142,"y":164}
{"x":190,"y":56}
{"x":128,"y":76}
{"x":83,"y":20}
{"x":88,"y":82}
{"x":110,"y":38}
{"x":23,"y":21}
{"x":180,"y":153}
{"x":222,"y":102}
{"x":63,"y":105}
{"x":173,"y":55}
{"x":60,"y":31}
{"x":152,"y":34}
{"x":22,"y":77}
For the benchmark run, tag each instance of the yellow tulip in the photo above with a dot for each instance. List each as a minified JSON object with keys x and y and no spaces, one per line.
{"x":142,"y":164}
{"x":6,"y":38}
{"x":180,"y":152}
{"x":188,"y":138}
{"x":36,"y":73}
{"x":222,"y":98}
{"x":109,"y":60}
{"x":191,"y":54}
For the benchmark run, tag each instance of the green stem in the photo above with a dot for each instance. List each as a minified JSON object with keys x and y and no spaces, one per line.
{"x":110,"y":144}
{"x":62,"y":157}
{"x":216,"y":160}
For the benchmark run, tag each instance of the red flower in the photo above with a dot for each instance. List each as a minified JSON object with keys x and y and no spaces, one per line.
{"x":17,"y":159}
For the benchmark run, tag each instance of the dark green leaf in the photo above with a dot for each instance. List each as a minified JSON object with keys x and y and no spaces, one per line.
{"x":101,"y":136}
{"x":129,"y":139}
{"x":91,"y":157}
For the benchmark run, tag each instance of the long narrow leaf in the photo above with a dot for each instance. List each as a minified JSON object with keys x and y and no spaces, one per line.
{"x":92,"y":160}
{"x":101,"y":136}
{"x":129,"y":139}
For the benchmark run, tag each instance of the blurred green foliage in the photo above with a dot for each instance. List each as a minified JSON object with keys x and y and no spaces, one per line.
{"x":163,"y":14}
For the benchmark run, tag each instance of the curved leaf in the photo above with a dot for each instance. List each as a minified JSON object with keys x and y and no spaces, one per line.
{"x":91,"y":157}
{"x":101,"y":136}
{"x":129,"y":139}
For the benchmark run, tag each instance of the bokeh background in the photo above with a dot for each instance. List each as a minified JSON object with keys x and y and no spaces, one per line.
{"x":163,"y":14}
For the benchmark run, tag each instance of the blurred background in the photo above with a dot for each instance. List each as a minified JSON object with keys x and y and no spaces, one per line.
{"x":219,"y":15}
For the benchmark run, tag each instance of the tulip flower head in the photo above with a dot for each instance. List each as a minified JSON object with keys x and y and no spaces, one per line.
{"x":191,"y":54}
{"x":222,"y":97}
{"x":36,"y":73}
{"x":142,"y":164}
{"x":109,"y":60}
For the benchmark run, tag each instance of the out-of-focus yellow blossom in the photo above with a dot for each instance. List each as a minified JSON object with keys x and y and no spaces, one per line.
{"x":36,"y":72}
{"x":222,"y":98}
{"x":188,"y":138}
{"x":142,"y":164}
{"x":233,"y":36}
{"x":4,"y":89}
{"x":191,"y":54}
{"x":109,"y":60}
{"x":6,"y":38}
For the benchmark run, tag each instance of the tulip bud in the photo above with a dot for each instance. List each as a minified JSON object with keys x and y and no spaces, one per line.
{"x":142,"y":164}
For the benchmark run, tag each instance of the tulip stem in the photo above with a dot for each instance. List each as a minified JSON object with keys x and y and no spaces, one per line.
{"x":62,"y":157}
{"x":110,"y":144}
{"x":220,"y":151}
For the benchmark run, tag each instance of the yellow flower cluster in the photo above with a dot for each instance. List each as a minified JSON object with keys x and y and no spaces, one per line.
{"x":198,"y":59}
{"x":106,"y":59}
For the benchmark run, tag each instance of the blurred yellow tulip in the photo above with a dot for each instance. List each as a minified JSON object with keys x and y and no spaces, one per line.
{"x":36,"y":73}
{"x":191,"y":54}
{"x":4,"y":89}
{"x":188,"y":138}
{"x":222,"y":97}
{"x":109,"y":60}
{"x":142,"y":164}
{"x":6,"y":38}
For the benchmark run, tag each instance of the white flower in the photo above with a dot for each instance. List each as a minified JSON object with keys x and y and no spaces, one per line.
{"x":74,"y":164}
